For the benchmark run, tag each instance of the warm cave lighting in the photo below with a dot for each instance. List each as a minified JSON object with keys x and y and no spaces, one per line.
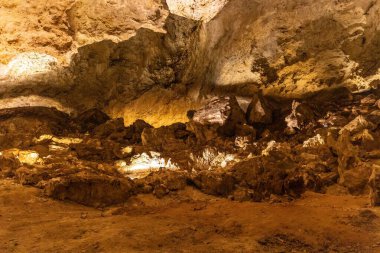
{"x":142,"y":164}
{"x":59,"y":140}
{"x":196,"y":9}
{"x":28,"y":157}
{"x":28,"y":64}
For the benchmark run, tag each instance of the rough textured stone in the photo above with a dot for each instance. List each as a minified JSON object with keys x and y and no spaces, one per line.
{"x":222,"y":112}
{"x":168,"y":138}
{"x":214,"y":183}
{"x":90,"y":189}
{"x":356,"y":179}
{"x":358,"y":124}
{"x":269,"y":175}
{"x":259,"y":111}
{"x":56,"y":28}
{"x":90,"y":119}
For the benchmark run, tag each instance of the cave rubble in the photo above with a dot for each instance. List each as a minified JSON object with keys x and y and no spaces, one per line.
{"x":212,"y":121}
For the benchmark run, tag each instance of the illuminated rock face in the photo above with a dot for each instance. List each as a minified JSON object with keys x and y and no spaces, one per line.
{"x":289,"y":48}
{"x":27,"y":64}
{"x":196,"y":9}
{"x":154,"y":59}
{"x":59,"y":27}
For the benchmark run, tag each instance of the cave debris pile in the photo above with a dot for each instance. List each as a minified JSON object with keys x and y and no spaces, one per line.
{"x":276,"y":148}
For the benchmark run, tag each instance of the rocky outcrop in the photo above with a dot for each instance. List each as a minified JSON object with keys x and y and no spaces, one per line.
{"x":259,"y":111}
{"x":168,"y":138}
{"x":300,"y":47}
{"x":60,"y":27}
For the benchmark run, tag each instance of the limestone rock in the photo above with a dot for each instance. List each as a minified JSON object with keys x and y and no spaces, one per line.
{"x":112,"y":129}
{"x":98,"y":150}
{"x":161,"y":183}
{"x":356,"y":179}
{"x":172,"y":137}
{"x":90,"y":119}
{"x":90,"y":189}
{"x":219,"y":184}
{"x":259,"y":111}
{"x":67,"y":24}
{"x":246,"y":131}
{"x":266,"y":176}
{"x":357,"y":125}
{"x":222,"y":112}
{"x":347,"y":153}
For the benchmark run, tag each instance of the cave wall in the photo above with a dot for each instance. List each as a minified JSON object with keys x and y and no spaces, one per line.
{"x":290,"y":48}
{"x":155,"y":59}
{"x":59,"y":27}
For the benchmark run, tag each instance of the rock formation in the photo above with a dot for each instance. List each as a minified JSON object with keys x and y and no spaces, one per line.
{"x":242,"y":99}
{"x":116,"y":56}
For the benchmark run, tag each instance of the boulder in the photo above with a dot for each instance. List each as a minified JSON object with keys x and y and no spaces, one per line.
{"x":115,"y":130}
{"x":356,"y":179}
{"x":224,"y":113}
{"x":135,"y":130}
{"x":18,"y":126}
{"x":167,"y":138}
{"x":253,"y":175}
{"x":357,"y":125}
{"x":374,"y":117}
{"x":218,"y":184}
{"x":347,"y":153}
{"x":259,"y":111}
{"x":98,"y":150}
{"x":202,"y":133}
{"x":90,"y":119}
{"x":162,"y":182}
{"x":243,"y":194}
{"x":90,"y":189}
{"x":112,"y":129}
{"x":342,"y":94}
{"x":266,"y":176}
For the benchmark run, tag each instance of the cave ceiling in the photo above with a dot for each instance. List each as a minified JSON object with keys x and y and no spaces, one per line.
{"x":138,"y":59}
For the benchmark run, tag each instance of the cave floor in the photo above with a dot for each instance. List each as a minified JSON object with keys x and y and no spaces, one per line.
{"x":188,"y":221}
